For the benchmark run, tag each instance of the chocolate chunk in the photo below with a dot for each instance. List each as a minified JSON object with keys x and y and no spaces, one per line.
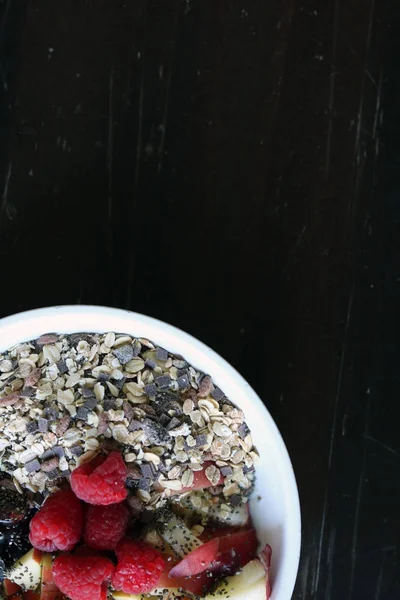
{"x":32,"y":466}
{"x":59,"y":451}
{"x":54,"y":474}
{"x":150,"y":390}
{"x":31,"y":427}
{"x":51,"y":413}
{"x":173,"y":423}
{"x":76,"y":450}
{"x":164,"y":420}
{"x":179,"y":364}
{"x":124,"y":353}
{"x":217,"y":394}
{"x":82,"y":413}
{"x":134,"y":425}
{"x":28,"y":392}
{"x":144,"y":484}
{"x":155,"y":433}
{"x":119,"y":383}
{"x":47,"y":454}
{"x":226,"y":471}
{"x":235,"y":500}
{"x":243,"y":430}
{"x":43,"y":425}
{"x":161,"y":354}
{"x":150,"y":364}
{"x":248,"y":469}
{"x":163,"y":381}
{"x":183,"y":382}
{"x":146,"y":471}
{"x":109,"y":404}
{"x":201,"y":440}
{"x":166,"y":401}
{"x":62,"y":366}
{"x":88,"y":393}
{"x":103,"y":377}
{"x":90,"y":403}
{"x":136,"y":349}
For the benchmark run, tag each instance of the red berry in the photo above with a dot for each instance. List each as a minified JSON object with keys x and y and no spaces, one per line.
{"x":58,"y":524}
{"x":139,"y":567}
{"x":82,"y":577}
{"x":102,"y":481}
{"x":105,"y":526}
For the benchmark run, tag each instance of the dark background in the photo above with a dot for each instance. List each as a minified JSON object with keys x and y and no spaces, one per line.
{"x":231,"y":167}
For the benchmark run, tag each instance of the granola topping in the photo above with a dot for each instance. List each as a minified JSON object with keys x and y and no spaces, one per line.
{"x":65,"y":398}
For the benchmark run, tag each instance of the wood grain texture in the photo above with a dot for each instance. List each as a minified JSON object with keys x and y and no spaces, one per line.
{"x":232,"y":168}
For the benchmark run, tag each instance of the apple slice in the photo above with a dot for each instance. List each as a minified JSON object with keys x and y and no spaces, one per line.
{"x":26,"y":571}
{"x":250,"y":583}
{"x":48,"y":589}
{"x":196,"y":561}
{"x":175,"y":532}
{"x":194,"y":586}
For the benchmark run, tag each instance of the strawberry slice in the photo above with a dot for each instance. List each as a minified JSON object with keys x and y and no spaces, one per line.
{"x":196,"y":561}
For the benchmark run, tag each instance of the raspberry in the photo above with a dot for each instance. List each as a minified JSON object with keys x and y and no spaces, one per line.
{"x":58,"y":524}
{"x":105,"y":526}
{"x":82,"y":577}
{"x":139,"y":567}
{"x":102,"y":481}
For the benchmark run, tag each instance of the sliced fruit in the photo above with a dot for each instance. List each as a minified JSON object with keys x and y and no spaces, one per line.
{"x":175,"y":532}
{"x":48,"y":589}
{"x":31,"y":595}
{"x":26,"y":571}
{"x":196,"y":561}
{"x":201,"y":481}
{"x":250,"y":584}
{"x":193,"y":585}
{"x":123,"y":596}
{"x":256,"y":591}
{"x":10,"y":587}
{"x":235,"y":551}
{"x":265,"y":558}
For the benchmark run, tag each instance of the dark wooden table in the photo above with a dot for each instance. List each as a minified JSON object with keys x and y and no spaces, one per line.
{"x":232,"y":167}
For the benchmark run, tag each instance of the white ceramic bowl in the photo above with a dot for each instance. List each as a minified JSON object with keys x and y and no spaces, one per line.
{"x":275,"y":502}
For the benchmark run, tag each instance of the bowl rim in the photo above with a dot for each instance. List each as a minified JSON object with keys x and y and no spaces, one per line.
{"x":286,"y":576}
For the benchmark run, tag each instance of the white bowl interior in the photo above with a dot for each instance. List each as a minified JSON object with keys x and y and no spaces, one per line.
{"x":275,"y":503}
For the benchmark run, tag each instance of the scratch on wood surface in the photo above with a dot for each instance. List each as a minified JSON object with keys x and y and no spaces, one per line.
{"x":360,"y":490}
{"x":3,"y":78}
{"x":4,"y":196}
{"x":4,"y":20}
{"x":332,"y":89}
{"x":332,"y":441}
{"x":378,"y":588}
{"x":371,"y":439}
{"x":139,"y":144}
{"x":110,"y":141}
{"x":168,"y":91}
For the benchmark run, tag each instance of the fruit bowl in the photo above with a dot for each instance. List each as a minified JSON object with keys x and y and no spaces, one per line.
{"x":274,"y":504}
